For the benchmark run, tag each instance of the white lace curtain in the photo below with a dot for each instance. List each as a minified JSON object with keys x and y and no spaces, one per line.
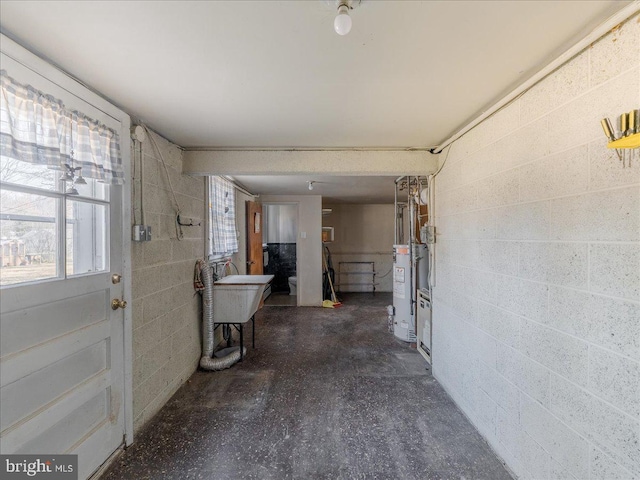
{"x":37,"y":128}
{"x":223,"y":238}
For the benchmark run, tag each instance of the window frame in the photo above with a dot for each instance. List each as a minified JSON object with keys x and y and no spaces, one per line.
{"x":217,"y":257}
{"x":61,"y":228}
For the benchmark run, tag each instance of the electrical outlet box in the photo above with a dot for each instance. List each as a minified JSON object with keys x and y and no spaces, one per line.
{"x":141,"y":233}
{"x":137,"y":233}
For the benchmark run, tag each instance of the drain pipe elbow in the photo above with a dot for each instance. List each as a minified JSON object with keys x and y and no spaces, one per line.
{"x":225,"y":358}
{"x":228,"y":357}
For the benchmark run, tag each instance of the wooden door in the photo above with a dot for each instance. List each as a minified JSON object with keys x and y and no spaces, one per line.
{"x":254,"y":238}
{"x":61,"y":344}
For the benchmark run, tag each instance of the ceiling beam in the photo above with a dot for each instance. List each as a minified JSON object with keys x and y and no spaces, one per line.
{"x":312,"y":162}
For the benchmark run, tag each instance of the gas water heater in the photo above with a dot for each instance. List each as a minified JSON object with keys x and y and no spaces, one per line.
{"x":410,"y":254}
{"x":410,"y":272}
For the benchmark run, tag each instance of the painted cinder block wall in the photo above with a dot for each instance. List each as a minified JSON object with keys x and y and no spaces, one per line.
{"x":537,"y":298}
{"x":166,"y":316}
{"x":363,"y":233}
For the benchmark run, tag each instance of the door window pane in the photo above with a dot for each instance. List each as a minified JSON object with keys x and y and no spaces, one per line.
{"x":40,"y":176}
{"x":23,"y":173}
{"x":28,"y":237}
{"x":92,"y":188}
{"x":87,"y":234}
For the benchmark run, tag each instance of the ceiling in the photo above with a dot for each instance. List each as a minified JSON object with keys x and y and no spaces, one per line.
{"x":366,"y":190}
{"x":274,"y":74}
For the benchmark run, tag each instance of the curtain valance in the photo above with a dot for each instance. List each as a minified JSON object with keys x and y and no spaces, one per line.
{"x":223,"y":237}
{"x":37,"y":128}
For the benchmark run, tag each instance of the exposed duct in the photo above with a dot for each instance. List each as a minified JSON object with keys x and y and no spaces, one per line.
{"x":231,"y":355}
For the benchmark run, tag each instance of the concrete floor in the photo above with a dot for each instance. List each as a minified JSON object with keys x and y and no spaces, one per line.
{"x":281,"y":299}
{"x":326,"y":394}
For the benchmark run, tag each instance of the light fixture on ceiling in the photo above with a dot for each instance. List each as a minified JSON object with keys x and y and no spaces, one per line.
{"x":310,"y":184}
{"x":342,"y":22}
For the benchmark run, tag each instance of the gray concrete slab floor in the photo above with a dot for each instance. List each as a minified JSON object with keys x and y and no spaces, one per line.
{"x":327,"y":393}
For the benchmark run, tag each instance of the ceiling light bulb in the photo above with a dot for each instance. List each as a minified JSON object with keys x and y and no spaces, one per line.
{"x":310,"y":185}
{"x":342,"y":22}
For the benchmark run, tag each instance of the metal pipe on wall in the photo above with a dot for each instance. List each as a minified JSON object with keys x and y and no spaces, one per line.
{"x":141,"y":163}
{"x":395,"y":211}
{"x":412,"y":270}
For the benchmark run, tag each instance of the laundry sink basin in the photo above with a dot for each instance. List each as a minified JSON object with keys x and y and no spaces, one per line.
{"x":236,"y":298}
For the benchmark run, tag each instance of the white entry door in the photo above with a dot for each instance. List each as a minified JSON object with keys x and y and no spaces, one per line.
{"x":62,"y":346}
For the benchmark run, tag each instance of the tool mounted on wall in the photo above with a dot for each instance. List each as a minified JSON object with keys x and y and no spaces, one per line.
{"x":189,"y":223}
{"x":627,"y":144}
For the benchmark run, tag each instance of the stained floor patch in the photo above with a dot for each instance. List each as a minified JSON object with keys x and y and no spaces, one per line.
{"x":326,"y":394}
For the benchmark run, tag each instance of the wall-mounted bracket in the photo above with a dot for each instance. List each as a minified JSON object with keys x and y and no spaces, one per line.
{"x":628,"y":143}
{"x":190,"y":223}
{"x":626,"y":148}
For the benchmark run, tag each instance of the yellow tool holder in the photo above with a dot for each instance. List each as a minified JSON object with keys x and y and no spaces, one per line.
{"x":632,"y":141}
{"x":628,"y":142}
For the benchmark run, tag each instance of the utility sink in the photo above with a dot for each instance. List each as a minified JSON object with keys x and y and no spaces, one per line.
{"x":236,"y":298}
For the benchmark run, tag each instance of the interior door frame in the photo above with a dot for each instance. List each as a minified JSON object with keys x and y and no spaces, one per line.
{"x":297,"y":204}
{"x":53,"y":73}
{"x":249,"y":224}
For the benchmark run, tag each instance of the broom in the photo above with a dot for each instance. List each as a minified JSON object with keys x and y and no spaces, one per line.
{"x":333,"y":303}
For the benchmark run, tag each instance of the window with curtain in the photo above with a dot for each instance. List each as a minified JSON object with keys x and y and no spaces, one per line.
{"x":38,"y":129}
{"x":56,"y":166}
{"x":223,"y":237}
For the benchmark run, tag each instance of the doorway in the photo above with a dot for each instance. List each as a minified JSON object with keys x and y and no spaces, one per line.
{"x":65,"y":353}
{"x":281,"y":248}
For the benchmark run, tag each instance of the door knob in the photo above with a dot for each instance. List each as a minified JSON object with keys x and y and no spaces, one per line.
{"x":117,"y":303}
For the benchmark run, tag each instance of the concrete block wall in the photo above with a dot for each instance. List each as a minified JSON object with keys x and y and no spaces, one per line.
{"x":166,"y":317}
{"x":363,"y":233}
{"x":537,"y":300}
